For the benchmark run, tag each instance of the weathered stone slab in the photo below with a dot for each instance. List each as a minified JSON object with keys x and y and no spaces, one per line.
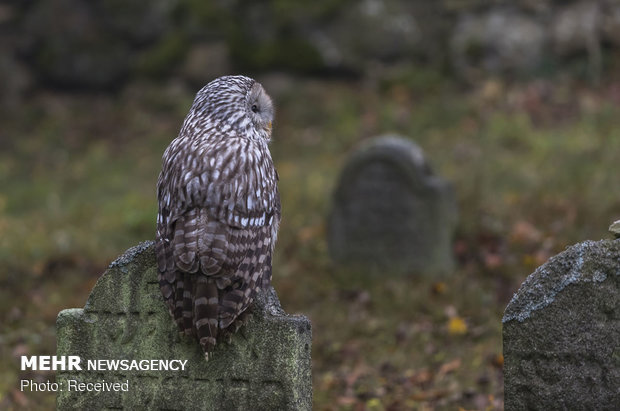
{"x":266,"y":366}
{"x":562,"y":333}
{"x":391,"y":212}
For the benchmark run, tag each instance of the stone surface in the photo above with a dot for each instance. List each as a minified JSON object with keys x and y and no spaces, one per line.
{"x":390,"y":212}
{"x":614,"y":228}
{"x":562,"y":333}
{"x":265,"y":367}
{"x":373,"y":31}
{"x":576,"y":28}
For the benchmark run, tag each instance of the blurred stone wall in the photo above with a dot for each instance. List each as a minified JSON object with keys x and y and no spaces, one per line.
{"x":102,"y":44}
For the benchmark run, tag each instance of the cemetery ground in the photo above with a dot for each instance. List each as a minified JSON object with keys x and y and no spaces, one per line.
{"x":534,"y":167}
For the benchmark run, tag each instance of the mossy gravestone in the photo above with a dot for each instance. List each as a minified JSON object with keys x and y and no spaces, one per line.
{"x":265,"y":367}
{"x":391,"y":213}
{"x":562,"y":333}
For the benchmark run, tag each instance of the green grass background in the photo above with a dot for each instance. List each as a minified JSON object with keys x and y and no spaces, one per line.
{"x":534,"y":166}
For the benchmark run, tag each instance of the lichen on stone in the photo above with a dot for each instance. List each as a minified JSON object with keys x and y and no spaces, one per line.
{"x":579,"y":263}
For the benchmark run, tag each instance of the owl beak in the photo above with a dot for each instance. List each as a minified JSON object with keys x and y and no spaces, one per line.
{"x":268,"y":127}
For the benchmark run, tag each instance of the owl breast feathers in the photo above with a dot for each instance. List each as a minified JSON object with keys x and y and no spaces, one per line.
{"x":219,"y":209}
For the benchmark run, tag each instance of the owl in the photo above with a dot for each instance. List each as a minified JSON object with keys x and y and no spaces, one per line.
{"x":219,"y":210}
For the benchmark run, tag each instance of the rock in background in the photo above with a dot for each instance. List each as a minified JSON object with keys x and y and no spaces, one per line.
{"x":562,"y":333}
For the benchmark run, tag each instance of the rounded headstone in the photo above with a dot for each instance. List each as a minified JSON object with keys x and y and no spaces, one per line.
{"x":561,"y":333}
{"x":390,"y":212}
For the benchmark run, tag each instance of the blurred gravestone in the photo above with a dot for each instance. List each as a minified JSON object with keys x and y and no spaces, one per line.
{"x":265,"y":367}
{"x":390,"y":212}
{"x":562,"y":333}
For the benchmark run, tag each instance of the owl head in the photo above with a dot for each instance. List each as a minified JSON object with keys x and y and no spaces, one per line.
{"x":234,"y":105}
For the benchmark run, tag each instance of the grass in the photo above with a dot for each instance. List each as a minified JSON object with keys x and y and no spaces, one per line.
{"x":532,"y":165}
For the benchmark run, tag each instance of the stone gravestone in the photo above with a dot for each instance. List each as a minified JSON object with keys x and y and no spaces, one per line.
{"x":561,"y":333}
{"x":265,"y":367}
{"x":391,"y":212}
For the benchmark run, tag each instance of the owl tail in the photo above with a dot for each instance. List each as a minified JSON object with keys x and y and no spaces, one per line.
{"x":206,"y":304}
{"x":183,"y":302}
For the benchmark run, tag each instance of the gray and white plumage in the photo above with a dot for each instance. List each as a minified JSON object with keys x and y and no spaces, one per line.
{"x":219,"y":209}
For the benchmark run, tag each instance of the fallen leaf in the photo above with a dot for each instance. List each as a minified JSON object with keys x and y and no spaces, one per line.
{"x":498,"y":360}
{"x":457,"y":326}
{"x":438,"y":287}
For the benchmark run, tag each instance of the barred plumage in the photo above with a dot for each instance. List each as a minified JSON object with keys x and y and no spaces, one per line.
{"x":219,"y":209}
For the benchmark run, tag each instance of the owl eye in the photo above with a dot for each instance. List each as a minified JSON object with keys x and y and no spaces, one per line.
{"x":254,"y":108}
